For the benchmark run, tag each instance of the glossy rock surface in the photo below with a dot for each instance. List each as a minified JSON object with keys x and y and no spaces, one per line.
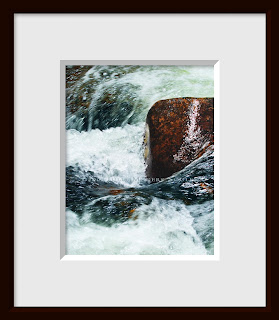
{"x":177,"y":132}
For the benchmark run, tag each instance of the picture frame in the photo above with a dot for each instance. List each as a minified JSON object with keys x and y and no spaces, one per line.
{"x":14,"y":206}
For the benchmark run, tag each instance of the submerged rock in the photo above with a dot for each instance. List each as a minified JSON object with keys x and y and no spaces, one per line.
{"x":177,"y":132}
{"x":97,"y":97}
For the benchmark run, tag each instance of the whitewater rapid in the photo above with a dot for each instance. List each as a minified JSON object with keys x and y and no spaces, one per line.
{"x":171,"y":218}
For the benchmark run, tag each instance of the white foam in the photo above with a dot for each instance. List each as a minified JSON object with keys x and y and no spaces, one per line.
{"x":163,"y":227}
{"x":148,"y":84}
{"x":115,"y":154}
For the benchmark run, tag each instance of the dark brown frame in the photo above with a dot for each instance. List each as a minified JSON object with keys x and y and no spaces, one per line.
{"x":8,"y":192}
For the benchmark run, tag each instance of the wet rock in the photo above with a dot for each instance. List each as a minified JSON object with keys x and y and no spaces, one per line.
{"x":177,"y":132}
{"x":96,"y":99}
{"x":113,"y":209}
{"x":74,"y":73}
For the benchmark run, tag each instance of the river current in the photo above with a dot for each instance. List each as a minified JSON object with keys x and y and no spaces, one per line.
{"x":111,"y":208}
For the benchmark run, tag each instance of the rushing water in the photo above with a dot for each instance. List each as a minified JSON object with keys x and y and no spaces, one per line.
{"x":111,"y":206}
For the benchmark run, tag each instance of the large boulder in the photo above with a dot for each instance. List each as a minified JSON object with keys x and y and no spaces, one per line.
{"x":177,"y":132}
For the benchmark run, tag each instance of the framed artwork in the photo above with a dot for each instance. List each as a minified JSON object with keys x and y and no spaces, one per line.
{"x":141,"y":161}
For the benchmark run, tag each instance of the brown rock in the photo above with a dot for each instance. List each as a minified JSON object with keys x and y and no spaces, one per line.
{"x":177,"y":132}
